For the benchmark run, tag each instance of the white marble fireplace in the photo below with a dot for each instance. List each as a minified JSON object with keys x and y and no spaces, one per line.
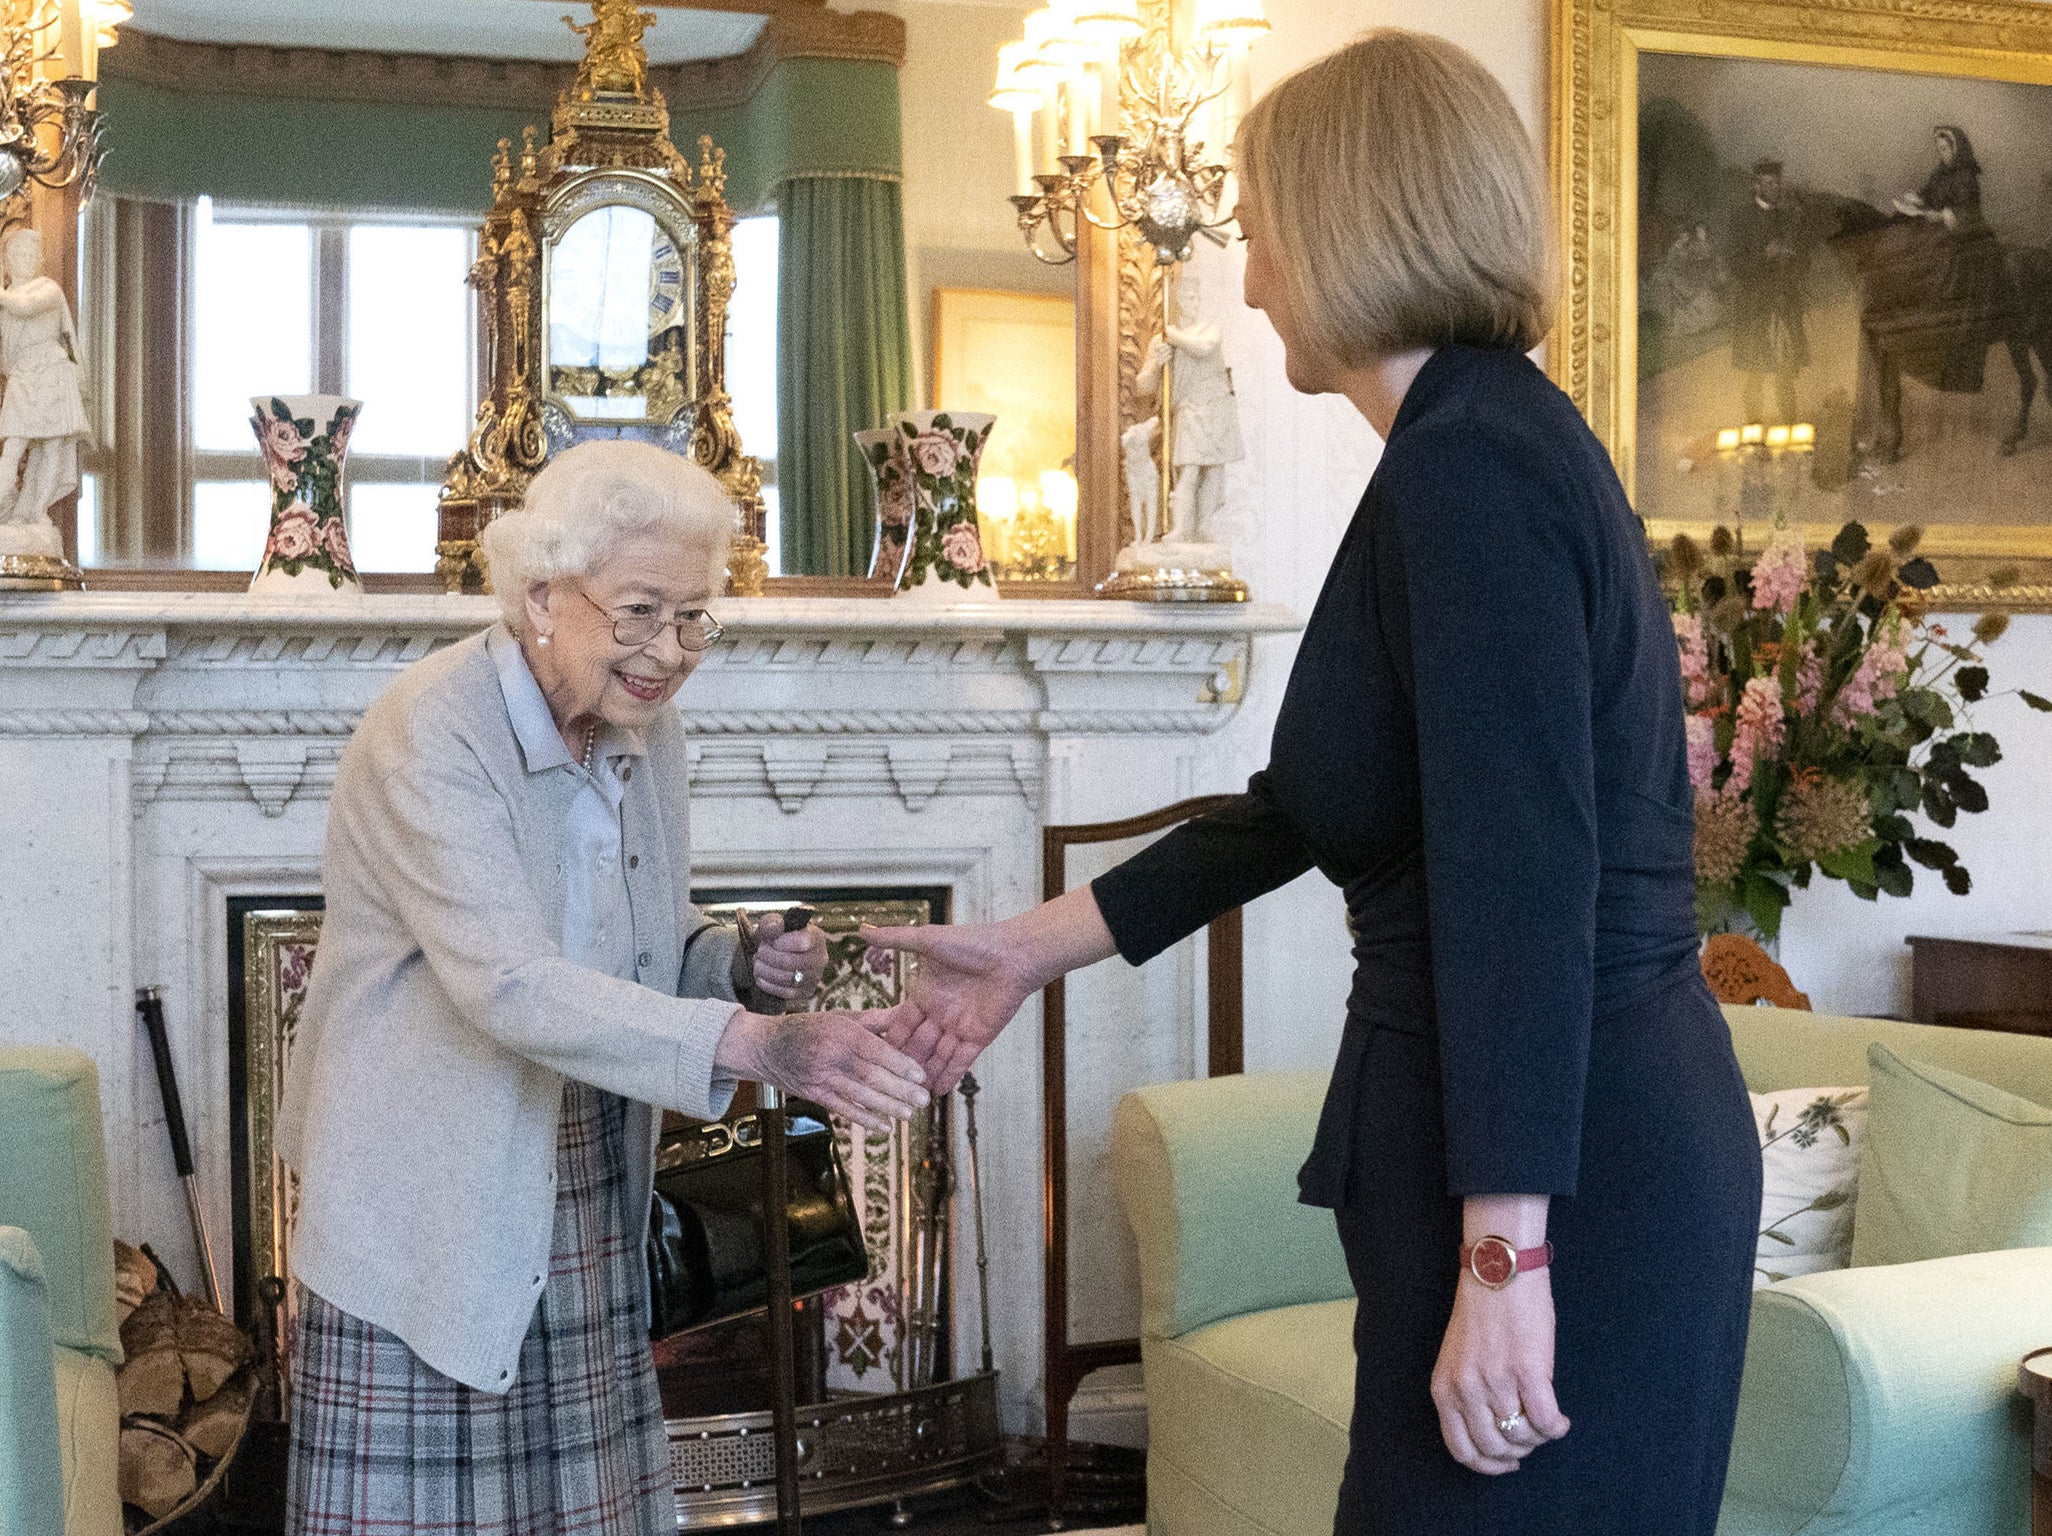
{"x":162,"y":753}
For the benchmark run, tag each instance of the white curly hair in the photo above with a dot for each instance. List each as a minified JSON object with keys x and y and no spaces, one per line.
{"x":592,"y":497}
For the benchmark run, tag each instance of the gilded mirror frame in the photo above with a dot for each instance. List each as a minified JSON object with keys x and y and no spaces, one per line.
{"x":1596,"y":47}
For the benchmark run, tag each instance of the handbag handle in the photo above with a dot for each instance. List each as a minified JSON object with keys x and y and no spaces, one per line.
{"x":776,"y":1169}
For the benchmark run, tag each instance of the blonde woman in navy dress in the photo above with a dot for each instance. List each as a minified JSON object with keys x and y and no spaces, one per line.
{"x":1481,"y":744}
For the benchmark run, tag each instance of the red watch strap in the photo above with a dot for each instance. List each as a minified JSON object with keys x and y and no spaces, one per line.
{"x":1499,"y":1263}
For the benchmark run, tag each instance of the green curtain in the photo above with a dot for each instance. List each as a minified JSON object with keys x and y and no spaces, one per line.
{"x":844,"y":361}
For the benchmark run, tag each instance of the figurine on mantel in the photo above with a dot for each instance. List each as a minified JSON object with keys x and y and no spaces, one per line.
{"x":42,"y":409}
{"x":1187,"y":366}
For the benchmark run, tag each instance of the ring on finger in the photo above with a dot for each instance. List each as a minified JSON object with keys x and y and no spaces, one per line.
{"x":1505,"y":1425}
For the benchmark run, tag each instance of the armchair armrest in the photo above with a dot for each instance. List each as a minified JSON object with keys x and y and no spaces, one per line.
{"x":1883,"y":1400}
{"x":31,"y":1476}
{"x":1207,"y":1172}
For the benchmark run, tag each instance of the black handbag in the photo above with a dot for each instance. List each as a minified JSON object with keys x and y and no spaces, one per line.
{"x":705,"y":1236}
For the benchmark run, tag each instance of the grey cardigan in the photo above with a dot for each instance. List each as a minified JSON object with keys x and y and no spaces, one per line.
{"x":426,"y":1074}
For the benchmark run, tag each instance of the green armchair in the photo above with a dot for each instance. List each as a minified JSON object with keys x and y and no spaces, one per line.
{"x":1876,"y":1401}
{"x":60,"y":1417}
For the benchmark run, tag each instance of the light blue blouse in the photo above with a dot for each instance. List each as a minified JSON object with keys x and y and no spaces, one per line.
{"x":598,"y":913}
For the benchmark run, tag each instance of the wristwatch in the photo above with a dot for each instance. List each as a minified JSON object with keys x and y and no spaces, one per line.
{"x":1494,"y":1262}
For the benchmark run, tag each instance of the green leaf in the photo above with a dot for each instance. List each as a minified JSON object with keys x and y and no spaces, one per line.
{"x":1765,"y":898}
{"x":2037,"y":702}
{"x":1850,"y":864}
{"x":1958,"y":881}
{"x":942,"y":421}
{"x":1944,"y":758}
{"x":1969,"y":794}
{"x":1972,"y":682}
{"x":1977,"y":749}
{"x":1832,"y":1199}
{"x":1920,"y":574}
{"x":1938,"y":805}
{"x":1864,"y":891}
{"x":1851,"y":545}
{"x":1894,"y":879}
{"x":1779,"y":1237}
{"x":1929,"y":706}
{"x":1895,"y":828}
{"x":1931,"y":854}
{"x":1844,"y":1135}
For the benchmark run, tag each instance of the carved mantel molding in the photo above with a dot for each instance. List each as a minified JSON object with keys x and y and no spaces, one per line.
{"x":214,"y":697}
{"x":794,"y":30}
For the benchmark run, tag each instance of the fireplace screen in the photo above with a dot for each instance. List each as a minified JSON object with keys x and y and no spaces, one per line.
{"x":886,"y":1335}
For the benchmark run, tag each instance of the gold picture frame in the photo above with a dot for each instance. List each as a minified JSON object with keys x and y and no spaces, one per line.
{"x":1602,"y":51}
{"x":1014,"y":356}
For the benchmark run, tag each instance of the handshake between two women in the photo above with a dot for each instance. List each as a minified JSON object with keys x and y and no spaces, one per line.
{"x":886,"y":1064}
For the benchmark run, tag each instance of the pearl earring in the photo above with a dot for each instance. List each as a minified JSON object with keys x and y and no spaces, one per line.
{"x":541,"y":640}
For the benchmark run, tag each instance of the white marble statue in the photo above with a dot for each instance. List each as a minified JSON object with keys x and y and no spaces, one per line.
{"x":1143,"y":477}
{"x":42,"y":407}
{"x":1203,"y":417}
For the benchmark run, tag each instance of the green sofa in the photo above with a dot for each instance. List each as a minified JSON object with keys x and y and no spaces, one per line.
{"x":60,"y":1419}
{"x":1877,"y":1401}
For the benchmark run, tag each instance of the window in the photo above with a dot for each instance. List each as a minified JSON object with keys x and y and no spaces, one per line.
{"x":752,"y":360}
{"x":369,"y":307}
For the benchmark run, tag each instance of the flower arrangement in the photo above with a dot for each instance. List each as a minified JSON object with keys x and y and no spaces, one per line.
{"x":1826,"y":710}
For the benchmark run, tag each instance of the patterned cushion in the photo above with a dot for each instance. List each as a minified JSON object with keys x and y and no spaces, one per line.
{"x":1810,"y":1157}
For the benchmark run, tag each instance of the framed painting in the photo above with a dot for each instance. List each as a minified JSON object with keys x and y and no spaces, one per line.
{"x":1014,"y":355}
{"x":1809,"y":269}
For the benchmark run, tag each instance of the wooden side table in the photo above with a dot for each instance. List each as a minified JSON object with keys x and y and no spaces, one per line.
{"x":2001,"y":982}
{"x":2035,"y":1377}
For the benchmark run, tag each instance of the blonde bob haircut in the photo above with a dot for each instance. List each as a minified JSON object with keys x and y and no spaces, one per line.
{"x":1401,"y":200}
{"x":591,"y":499}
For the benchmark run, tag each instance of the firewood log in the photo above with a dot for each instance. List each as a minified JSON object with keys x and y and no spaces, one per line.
{"x":213,"y":1348}
{"x":134,"y":1278}
{"x":157,"y":1468}
{"x":152,"y":1379}
{"x":211,"y":1427}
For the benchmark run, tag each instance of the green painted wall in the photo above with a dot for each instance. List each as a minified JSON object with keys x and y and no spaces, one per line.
{"x":810,"y":117}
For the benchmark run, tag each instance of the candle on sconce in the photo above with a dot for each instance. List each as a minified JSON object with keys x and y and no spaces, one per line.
{"x":1013,"y":94}
{"x":997,"y":504}
{"x":1777,"y":437}
{"x":1728,"y":440}
{"x":1752,"y":434}
{"x":1058,"y":493}
{"x":1803,"y":435}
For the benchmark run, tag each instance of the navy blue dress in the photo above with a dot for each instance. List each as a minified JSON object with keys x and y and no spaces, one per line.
{"x":1481,"y":745}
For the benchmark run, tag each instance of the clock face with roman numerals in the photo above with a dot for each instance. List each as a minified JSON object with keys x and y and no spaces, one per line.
{"x":665,"y":285}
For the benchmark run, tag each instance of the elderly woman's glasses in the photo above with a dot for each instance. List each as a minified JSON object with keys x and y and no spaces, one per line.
{"x":638,"y":623}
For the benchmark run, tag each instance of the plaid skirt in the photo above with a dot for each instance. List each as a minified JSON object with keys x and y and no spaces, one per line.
{"x":383,"y":1444}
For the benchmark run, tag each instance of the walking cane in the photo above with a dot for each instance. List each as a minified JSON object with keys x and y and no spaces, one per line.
{"x":151,"y":1007}
{"x":776,"y":1206}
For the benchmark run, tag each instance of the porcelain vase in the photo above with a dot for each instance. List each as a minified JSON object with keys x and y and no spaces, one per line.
{"x":941,"y":450}
{"x":303,"y":440}
{"x":883,"y":450}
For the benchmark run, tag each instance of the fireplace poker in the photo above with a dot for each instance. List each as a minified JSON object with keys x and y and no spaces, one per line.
{"x":776,"y":1207}
{"x":969,"y":1092}
{"x":150,"y":1005}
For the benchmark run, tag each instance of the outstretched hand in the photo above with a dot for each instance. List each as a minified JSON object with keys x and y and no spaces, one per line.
{"x":841,"y":1059}
{"x":968,"y":986}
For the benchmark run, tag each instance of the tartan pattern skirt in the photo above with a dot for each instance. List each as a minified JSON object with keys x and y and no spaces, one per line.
{"x":383,"y":1444}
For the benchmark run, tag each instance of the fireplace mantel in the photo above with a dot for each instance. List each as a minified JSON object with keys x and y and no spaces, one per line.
{"x":163,"y":752}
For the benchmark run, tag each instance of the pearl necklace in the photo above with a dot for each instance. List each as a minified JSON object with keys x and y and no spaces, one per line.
{"x":590,"y":741}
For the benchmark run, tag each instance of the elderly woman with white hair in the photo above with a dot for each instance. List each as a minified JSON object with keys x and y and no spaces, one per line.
{"x":511,"y":981}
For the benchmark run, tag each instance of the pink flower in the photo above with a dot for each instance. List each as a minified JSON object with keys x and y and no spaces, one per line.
{"x":1695,"y":658}
{"x":335,"y":543}
{"x":1809,"y":680}
{"x":896,"y":502}
{"x":935,"y":453}
{"x":1779,"y":574}
{"x":1702,"y":739}
{"x":962,"y":547}
{"x":1758,"y":731}
{"x":1879,"y":674}
{"x":879,"y":962}
{"x":338,"y":440}
{"x":294,"y":536}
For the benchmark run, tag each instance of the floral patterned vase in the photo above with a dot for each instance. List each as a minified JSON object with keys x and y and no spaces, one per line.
{"x":942,"y":449}
{"x":883,"y":450}
{"x":303,"y":439}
